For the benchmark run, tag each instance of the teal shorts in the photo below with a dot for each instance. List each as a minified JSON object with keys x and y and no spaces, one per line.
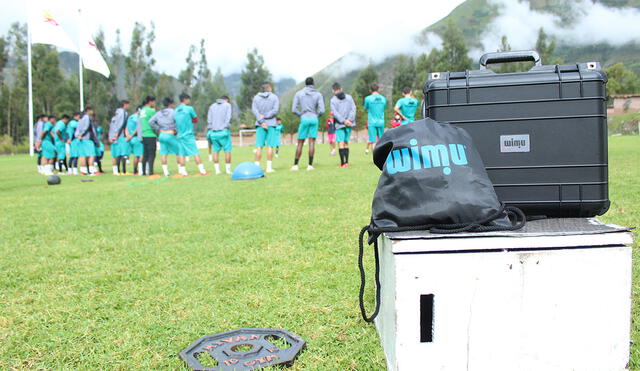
{"x":48,"y":149}
{"x":115,"y":149}
{"x":124,"y":147}
{"x":74,"y":148}
{"x":168,"y":144}
{"x":87,"y":148}
{"x":188,"y":146}
{"x":220,"y":139}
{"x":343,"y":135}
{"x":61,"y":149}
{"x":308,"y":128}
{"x":136,"y":147}
{"x":375,"y":132}
{"x":266,"y":137}
{"x":404,"y":122}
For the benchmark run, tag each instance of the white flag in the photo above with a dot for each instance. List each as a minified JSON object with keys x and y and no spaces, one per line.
{"x":45,"y":29}
{"x":92,"y":59}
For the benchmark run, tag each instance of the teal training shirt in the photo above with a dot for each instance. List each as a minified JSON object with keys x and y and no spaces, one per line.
{"x":61,"y":127}
{"x":47,"y":128}
{"x":408,"y":107}
{"x":71,"y":129}
{"x":184,"y":116}
{"x":375,"y":105}
{"x":132,"y":123}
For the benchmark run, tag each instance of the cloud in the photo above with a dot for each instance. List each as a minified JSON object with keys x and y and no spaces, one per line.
{"x":593,"y":23}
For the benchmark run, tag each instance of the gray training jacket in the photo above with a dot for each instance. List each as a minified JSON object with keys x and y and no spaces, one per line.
{"x":83,"y":124}
{"x":219,"y":115}
{"x":37,"y":131}
{"x":117,"y":121}
{"x":267,"y":104}
{"x":308,"y":102}
{"x":163,"y":120}
{"x":343,"y":108}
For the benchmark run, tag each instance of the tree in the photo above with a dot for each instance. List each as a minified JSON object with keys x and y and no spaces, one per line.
{"x":545,"y":47}
{"x":454,"y":50}
{"x":252,"y":77}
{"x":187,"y":76}
{"x":361,"y":89}
{"x":425,"y":65}
{"x":140,"y":61}
{"x":622,"y":80}
{"x":404,"y":76}
{"x":362,"y":86}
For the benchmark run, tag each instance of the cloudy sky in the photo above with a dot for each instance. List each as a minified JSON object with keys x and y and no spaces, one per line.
{"x":297,"y":38}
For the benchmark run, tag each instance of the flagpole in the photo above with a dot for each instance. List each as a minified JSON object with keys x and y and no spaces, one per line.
{"x":80,"y":65}
{"x":30,"y":89}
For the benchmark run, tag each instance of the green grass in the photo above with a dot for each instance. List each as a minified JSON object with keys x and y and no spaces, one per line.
{"x":105,"y":275}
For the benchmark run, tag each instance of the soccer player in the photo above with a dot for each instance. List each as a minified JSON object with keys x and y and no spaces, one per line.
{"x":186,"y":117}
{"x":97,"y":160}
{"x":406,"y":106}
{"x":265,"y":107}
{"x":119,"y":144}
{"x":148,"y":135}
{"x":218,"y":134}
{"x":396,"y":121}
{"x":53,"y":120}
{"x":131,"y":132}
{"x":37,"y":134}
{"x":308,"y":104}
{"x":331,"y":133}
{"x":60,"y":135}
{"x":374,"y":105}
{"x":85,"y":133}
{"x":164,"y":122}
{"x":344,"y":114}
{"x":72,"y":142}
{"x":47,"y":147}
{"x":279,"y":127}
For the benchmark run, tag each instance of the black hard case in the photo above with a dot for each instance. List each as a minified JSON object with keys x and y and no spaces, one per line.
{"x":562,"y":110}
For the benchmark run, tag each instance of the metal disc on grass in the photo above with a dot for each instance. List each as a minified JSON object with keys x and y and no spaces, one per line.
{"x":243,"y":349}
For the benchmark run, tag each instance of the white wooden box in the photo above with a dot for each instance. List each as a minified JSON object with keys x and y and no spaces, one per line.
{"x":553,"y":296}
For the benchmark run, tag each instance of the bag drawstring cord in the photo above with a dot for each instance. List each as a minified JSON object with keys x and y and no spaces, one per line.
{"x":519,"y":221}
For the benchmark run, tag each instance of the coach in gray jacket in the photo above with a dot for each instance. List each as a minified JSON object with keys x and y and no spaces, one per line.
{"x":344,"y":116}
{"x":308,"y":104}
{"x":218,"y":134}
{"x":265,"y":107}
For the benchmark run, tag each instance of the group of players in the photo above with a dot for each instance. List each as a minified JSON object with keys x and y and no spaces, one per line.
{"x":74,"y":144}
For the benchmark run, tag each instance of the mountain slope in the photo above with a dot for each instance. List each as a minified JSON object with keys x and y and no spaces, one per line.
{"x":475,"y":18}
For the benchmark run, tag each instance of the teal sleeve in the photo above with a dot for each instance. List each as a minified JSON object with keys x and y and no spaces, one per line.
{"x":193,"y":113}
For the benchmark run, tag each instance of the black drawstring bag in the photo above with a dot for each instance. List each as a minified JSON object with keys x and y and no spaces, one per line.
{"x":432,"y":179}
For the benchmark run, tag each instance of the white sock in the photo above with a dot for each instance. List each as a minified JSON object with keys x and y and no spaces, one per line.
{"x":39,"y":168}
{"x":75,"y":171}
{"x":92,"y":169}
{"x":228,"y":167}
{"x":115,"y":169}
{"x":165,"y":168}
{"x":217,"y":167}
{"x":210,"y":157}
{"x":48,"y":170}
{"x":140,"y":168}
{"x":269,"y":165}
{"x":257,"y":163}
{"x":182,"y":170}
{"x":201,"y":168}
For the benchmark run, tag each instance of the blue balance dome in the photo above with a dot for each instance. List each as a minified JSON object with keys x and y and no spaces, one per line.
{"x":247,"y":170}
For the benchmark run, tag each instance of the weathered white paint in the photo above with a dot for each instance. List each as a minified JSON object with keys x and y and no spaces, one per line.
{"x":566,"y":308}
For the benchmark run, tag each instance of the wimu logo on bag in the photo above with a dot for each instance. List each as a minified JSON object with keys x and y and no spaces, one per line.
{"x":426,"y":157}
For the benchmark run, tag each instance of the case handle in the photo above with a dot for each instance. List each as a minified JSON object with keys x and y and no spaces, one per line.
{"x":506,"y":57}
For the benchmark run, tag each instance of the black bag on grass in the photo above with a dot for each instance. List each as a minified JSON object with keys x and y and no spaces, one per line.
{"x":432,"y":179}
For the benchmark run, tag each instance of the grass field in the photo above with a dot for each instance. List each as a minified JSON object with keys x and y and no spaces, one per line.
{"x":123,"y":273}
